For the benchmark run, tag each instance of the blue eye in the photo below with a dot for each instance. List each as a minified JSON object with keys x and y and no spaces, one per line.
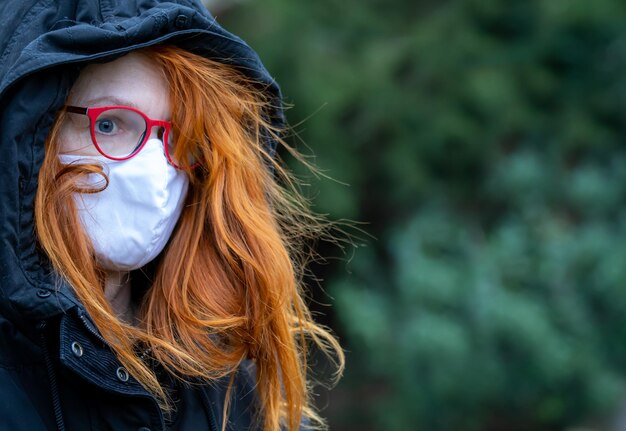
{"x":105,"y":126}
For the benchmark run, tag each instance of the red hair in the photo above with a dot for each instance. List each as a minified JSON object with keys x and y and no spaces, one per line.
{"x":228,"y":285}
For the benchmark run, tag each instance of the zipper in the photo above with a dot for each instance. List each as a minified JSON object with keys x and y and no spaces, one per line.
{"x":89,"y":327}
{"x":212,"y":421}
{"x":54,"y":388}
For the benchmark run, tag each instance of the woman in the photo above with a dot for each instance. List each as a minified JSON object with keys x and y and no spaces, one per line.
{"x":149,"y":269}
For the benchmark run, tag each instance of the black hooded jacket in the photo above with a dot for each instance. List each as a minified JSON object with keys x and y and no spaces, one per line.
{"x":55,"y":371}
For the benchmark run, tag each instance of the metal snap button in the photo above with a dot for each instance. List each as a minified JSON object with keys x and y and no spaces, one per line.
{"x":122,"y":374}
{"x":43,"y":293}
{"x":77,"y":349}
{"x":181,"y":21}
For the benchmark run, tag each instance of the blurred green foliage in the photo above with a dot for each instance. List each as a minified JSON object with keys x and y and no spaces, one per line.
{"x":482,"y":141}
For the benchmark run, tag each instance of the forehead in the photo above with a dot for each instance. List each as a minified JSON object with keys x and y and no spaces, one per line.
{"x":133,"y":80}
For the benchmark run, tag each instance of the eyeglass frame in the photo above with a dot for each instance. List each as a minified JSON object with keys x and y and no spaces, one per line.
{"x":93,"y":112}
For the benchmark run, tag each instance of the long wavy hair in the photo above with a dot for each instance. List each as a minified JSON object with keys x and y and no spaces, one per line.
{"x":228,"y":286}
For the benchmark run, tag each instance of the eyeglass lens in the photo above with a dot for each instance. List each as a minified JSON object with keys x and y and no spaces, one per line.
{"x":119,"y":132}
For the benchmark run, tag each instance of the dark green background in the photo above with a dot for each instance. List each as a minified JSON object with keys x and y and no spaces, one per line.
{"x":482,"y":143}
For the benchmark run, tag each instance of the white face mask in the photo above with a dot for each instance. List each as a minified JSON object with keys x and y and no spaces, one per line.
{"x":130,"y":222}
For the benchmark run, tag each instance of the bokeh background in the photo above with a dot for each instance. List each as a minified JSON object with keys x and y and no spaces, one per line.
{"x":481,"y":141}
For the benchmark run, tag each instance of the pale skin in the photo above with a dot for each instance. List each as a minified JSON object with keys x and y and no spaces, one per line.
{"x":132,"y":80}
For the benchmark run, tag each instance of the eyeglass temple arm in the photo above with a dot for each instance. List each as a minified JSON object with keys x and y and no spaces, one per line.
{"x":75,"y":109}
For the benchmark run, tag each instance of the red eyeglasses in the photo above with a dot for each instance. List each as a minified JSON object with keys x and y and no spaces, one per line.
{"x":120,"y":132}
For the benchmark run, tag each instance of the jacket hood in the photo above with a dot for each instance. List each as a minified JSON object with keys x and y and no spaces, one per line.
{"x":43,"y":44}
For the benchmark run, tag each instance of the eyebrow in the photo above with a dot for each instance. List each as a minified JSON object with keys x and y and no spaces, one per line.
{"x":106,"y":100}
